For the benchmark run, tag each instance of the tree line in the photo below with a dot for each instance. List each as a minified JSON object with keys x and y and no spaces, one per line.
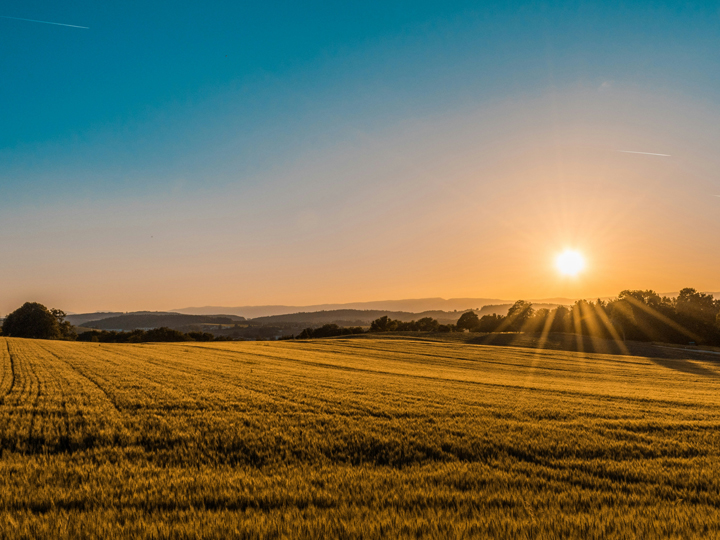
{"x":33,"y":320}
{"x":640,"y":315}
{"x":161,"y":334}
{"x":328,"y":330}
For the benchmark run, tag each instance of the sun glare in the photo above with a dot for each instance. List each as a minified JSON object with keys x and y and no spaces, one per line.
{"x":570,"y":263}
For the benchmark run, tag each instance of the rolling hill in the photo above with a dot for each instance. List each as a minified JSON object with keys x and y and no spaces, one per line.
{"x":418,"y":305}
{"x":178,"y":321}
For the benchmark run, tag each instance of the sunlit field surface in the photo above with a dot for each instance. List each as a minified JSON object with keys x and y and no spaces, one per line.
{"x":365,"y":438}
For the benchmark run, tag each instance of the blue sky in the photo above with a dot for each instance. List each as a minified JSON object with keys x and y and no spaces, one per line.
{"x":196,"y":100}
{"x":154,"y":89}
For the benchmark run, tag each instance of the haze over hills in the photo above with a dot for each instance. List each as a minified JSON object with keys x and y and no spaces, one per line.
{"x":361,"y":313}
{"x":83,"y":319}
{"x":79,"y":319}
{"x":344,"y":317}
{"x":271,"y":326}
{"x":417,"y":305}
{"x":131,"y":321}
{"x":350,"y":317}
{"x":89,"y":319}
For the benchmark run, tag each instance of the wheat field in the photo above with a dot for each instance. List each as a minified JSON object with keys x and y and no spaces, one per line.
{"x":354,"y":438}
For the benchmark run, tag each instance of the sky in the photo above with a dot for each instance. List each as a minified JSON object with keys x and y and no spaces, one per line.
{"x":176,"y":154}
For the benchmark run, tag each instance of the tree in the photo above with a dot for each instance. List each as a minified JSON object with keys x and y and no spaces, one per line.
{"x":697,"y":306}
{"x":427,"y":324}
{"x":560,"y":321}
{"x":33,"y":320}
{"x":518,"y":313}
{"x":67,"y":331}
{"x":490,"y":323}
{"x":622,"y":318}
{"x":537,"y":322}
{"x":330,"y":330}
{"x":647,"y":297}
{"x":201,"y":336}
{"x":468,"y":321}
{"x":164,"y":334}
{"x":383,"y":324}
{"x":645,"y":316}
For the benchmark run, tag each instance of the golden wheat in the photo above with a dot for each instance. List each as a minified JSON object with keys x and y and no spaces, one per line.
{"x":344,"y":438}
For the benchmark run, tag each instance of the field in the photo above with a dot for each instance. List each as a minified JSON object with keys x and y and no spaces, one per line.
{"x":355,"y":438}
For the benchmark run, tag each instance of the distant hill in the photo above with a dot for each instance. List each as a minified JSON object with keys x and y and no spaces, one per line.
{"x":415,"y":306}
{"x":177,"y":321}
{"x":78,"y":319}
{"x":352,"y":317}
{"x":316,"y":315}
{"x":358,"y":317}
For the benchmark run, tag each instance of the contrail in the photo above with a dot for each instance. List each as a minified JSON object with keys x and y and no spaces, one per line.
{"x":644,"y":153}
{"x":45,"y":22}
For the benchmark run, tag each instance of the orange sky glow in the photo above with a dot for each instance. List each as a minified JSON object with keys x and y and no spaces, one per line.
{"x":474,"y":202}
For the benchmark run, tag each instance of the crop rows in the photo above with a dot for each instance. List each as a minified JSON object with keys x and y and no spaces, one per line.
{"x":354,"y":438}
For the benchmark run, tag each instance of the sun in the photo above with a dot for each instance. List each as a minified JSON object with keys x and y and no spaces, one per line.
{"x":570,"y":262}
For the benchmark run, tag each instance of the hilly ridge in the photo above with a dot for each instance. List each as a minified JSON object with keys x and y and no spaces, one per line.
{"x":417,"y":305}
{"x":132,"y":321}
{"x":291,"y":322}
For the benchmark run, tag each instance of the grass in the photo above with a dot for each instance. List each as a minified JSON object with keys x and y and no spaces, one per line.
{"x":355,"y":438}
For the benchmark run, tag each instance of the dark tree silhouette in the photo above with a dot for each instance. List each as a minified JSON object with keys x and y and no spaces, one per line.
{"x":162,"y":334}
{"x":330,"y":330}
{"x":165,"y":334}
{"x":383,"y":324}
{"x":201,"y":336}
{"x":490,"y":323}
{"x":67,"y":331}
{"x":33,"y":320}
{"x":560,"y":320}
{"x":698,"y":307}
{"x":537,"y":322}
{"x":518,"y":313}
{"x":468,"y":321}
{"x":427,"y":324}
{"x":386,"y":324}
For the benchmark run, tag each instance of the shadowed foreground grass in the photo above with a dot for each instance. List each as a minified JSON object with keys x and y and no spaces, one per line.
{"x":343,"y":438}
